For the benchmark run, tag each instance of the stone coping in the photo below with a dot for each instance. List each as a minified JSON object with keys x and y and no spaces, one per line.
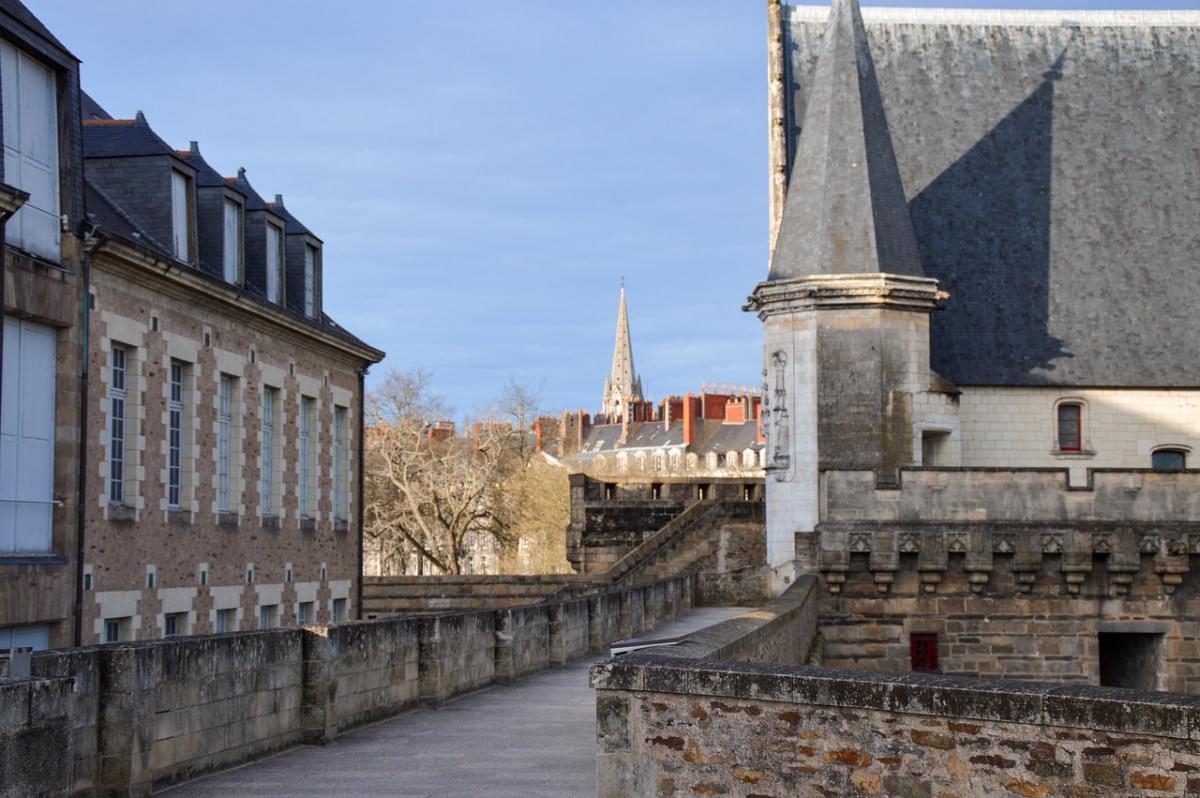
{"x":713,"y":642}
{"x":1039,"y":703}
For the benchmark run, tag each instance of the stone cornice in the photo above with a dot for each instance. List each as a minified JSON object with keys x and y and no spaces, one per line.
{"x":841,"y":291}
{"x":11,"y":200}
{"x":182,"y":282}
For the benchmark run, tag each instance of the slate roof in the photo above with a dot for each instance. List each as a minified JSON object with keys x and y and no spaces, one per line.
{"x":90,"y":109}
{"x":20,"y":13}
{"x":254,"y":201}
{"x":123,"y":138}
{"x":712,"y":435}
{"x":291,"y":223}
{"x":206,"y":176}
{"x":847,"y":214}
{"x":1052,"y":172}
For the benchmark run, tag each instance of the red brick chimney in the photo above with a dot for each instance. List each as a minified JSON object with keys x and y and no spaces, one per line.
{"x":689,"y":420}
{"x":759,"y":436}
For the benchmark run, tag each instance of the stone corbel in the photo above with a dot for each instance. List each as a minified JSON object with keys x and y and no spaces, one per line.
{"x":1170,"y":562}
{"x":1076,"y":559}
{"x":833,"y":558}
{"x":885,"y":559}
{"x":1027,"y":559}
{"x":932,"y":561}
{"x":1124,"y":559}
{"x":978,"y":560}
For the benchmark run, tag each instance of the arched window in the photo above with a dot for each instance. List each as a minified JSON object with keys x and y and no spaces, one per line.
{"x":1070,"y":427}
{"x":1168,"y":459}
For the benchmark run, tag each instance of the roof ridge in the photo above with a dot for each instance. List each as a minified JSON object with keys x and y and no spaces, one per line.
{"x":1001,"y":16}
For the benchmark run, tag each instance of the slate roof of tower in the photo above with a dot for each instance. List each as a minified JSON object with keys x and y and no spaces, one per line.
{"x":623,"y":376}
{"x":845,"y":211}
{"x":1053,"y":178}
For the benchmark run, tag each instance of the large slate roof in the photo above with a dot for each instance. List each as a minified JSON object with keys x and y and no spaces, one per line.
{"x":123,"y":138}
{"x":1052,"y":168}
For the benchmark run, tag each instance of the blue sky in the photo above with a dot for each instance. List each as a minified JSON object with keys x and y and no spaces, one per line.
{"x":484,"y":174}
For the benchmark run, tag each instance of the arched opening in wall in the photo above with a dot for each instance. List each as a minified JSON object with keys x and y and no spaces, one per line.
{"x":1169,"y":458}
{"x":1070,"y":427}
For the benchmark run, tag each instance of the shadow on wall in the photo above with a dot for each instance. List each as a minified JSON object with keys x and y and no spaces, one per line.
{"x":983,"y":227}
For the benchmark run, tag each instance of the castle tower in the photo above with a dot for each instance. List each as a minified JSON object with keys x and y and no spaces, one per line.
{"x":846,"y":305}
{"x":622,"y":386}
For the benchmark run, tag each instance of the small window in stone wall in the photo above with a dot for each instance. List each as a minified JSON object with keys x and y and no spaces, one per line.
{"x":1070,"y":427}
{"x":1168,"y":460}
{"x":923,"y":647}
{"x":610,"y":491}
{"x":656,"y":491}
{"x":1129,"y":659}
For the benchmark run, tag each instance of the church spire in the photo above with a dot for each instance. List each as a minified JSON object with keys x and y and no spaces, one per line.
{"x":622,"y":384}
{"x":845,"y":211}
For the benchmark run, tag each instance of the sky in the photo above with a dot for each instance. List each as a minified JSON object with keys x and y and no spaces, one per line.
{"x":484,"y":175}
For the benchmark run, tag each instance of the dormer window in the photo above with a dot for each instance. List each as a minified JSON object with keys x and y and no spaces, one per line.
{"x":30,"y":109}
{"x":274,"y":260}
{"x":179,"y":215}
{"x":310,"y":280}
{"x":233,"y":242}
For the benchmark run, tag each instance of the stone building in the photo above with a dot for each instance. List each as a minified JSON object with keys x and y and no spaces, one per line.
{"x":979,"y":396}
{"x":42,"y":212}
{"x":225,"y":406}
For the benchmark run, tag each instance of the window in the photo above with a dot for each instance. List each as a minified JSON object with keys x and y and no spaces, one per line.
{"x":340,"y":510}
{"x":233,"y":241}
{"x":656,"y":491}
{"x":306,"y":415}
{"x":305,"y":613}
{"x":310,"y":281}
{"x":339,"y":610}
{"x":1168,"y":460}
{"x":268,"y":616}
{"x":748,"y":491}
{"x":116,"y":630}
{"x":224,"y":424}
{"x":610,"y":491}
{"x":226,"y":620}
{"x":702,"y":492}
{"x":1070,"y":427}
{"x":30,"y":111}
{"x":27,"y":437}
{"x":179,"y":214}
{"x":274,"y":261}
{"x":1130,"y":659}
{"x":267,"y":488}
{"x":923,"y":648}
{"x":175,"y":437}
{"x":35,"y":637}
{"x":175,"y":624}
{"x":116,"y":430}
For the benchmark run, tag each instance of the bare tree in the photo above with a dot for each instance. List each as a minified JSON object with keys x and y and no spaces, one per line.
{"x":431,"y":491}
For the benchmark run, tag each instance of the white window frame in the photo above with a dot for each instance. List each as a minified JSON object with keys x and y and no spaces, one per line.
{"x":267,"y":455}
{"x":118,"y":412}
{"x":274,"y":260}
{"x":175,"y":434}
{"x":181,"y":235}
{"x":31,"y":150}
{"x":306,"y":416}
{"x":224,"y":440}
{"x":226,"y":620}
{"x":340,"y":509}
{"x":310,"y":280}
{"x":232,"y":256}
{"x":27,"y":433}
{"x":304,"y":613}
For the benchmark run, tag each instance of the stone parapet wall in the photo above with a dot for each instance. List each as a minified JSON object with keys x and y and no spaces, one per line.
{"x":35,"y":737}
{"x":135,"y":717}
{"x":733,"y":729}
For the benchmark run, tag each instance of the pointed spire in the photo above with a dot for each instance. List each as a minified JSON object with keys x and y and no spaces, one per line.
{"x":622,"y":384}
{"x":845,"y":211}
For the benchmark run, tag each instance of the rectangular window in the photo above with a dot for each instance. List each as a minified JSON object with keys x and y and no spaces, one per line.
{"x":339,"y":610}
{"x":179,"y":214}
{"x":1168,"y":460}
{"x":306,"y":415}
{"x":116,"y":431}
{"x":923,"y":648}
{"x":233,"y":241}
{"x":267,"y":479}
{"x":175,"y":428}
{"x":30,"y":111}
{"x":1070,"y":437}
{"x":176,"y":624}
{"x":227,"y":620}
{"x":310,"y":281}
{"x":27,"y":437}
{"x":268,"y":616}
{"x":274,"y":261}
{"x":117,"y":629}
{"x":339,"y":464}
{"x":305,"y":613}
{"x":35,"y":637}
{"x":224,"y":424}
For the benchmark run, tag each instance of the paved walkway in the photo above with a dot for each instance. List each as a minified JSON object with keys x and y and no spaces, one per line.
{"x":532,"y":739}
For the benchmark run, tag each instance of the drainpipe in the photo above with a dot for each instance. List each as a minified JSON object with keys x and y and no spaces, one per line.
{"x":90,"y":245}
{"x":362,"y":445}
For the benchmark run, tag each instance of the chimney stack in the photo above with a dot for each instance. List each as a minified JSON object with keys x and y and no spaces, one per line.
{"x":689,"y":420}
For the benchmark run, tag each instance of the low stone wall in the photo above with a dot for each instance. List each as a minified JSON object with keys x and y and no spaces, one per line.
{"x":385,"y":596}
{"x":732,"y":729}
{"x":144,"y":715}
{"x":35,"y":737}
